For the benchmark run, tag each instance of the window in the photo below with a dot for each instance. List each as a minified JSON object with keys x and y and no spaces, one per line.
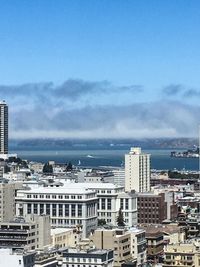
{"x":53,"y":209}
{"x":103,"y":204}
{"x":67,"y":210}
{"x":48,"y":209}
{"x":79,"y":210}
{"x":122,"y":203}
{"x":29,"y":209}
{"x":109,"y":204}
{"x":126,"y":204}
{"x":60,"y":211}
{"x":73,"y":210}
{"x":35,"y":209}
{"x":41,"y":208}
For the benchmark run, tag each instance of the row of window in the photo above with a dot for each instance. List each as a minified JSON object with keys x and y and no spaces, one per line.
{"x":47,"y":196}
{"x":53,"y":210}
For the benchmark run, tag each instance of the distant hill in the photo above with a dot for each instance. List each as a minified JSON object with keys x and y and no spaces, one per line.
{"x":60,"y":144}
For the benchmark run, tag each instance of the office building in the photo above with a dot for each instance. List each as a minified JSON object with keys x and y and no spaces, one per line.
{"x":16,"y":258}
{"x":185,"y":254}
{"x":129,"y":245}
{"x":67,"y":206}
{"x":3,"y":128}
{"x":138,"y":245}
{"x":76,"y":257}
{"x":137,"y":170}
{"x":30,"y":233}
{"x":7,"y":201}
{"x":65,"y":237}
{"x":112,"y":198}
{"x":152,"y":208}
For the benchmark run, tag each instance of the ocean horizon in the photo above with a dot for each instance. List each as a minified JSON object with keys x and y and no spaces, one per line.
{"x":160,"y":158}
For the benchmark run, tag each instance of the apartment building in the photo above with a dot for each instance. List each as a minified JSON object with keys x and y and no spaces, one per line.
{"x":7,"y":201}
{"x":3,"y":127}
{"x":155,"y":244}
{"x":137,"y":170}
{"x":32,"y":233}
{"x":118,"y":239}
{"x":65,"y":237}
{"x":75,"y":257}
{"x":152,"y":208}
{"x":138,"y":245}
{"x":67,"y":206}
{"x":183,"y":254}
{"x":16,"y":258}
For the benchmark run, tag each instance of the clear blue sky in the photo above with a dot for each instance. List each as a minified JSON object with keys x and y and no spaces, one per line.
{"x":150,"y":43}
{"x":142,"y":42}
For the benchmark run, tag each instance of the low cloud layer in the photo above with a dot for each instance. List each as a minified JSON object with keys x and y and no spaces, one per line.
{"x":82,"y":109}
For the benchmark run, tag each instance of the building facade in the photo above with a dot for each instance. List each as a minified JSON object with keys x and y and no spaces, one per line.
{"x":7,"y":201}
{"x":13,"y":258}
{"x":3,"y":128}
{"x":137,"y":171}
{"x":67,"y":207}
{"x":117,"y":239}
{"x":75,"y":257}
{"x":152,"y":208}
{"x":32,"y":233}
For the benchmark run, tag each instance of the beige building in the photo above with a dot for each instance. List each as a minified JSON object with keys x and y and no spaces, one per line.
{"x":7,"y":201}
{"x":138,"y":245}
{"x":137,"y":171}
{"x":117,"y":239}
{"x":30,"y":233}
{"x":64,"y":237}
{"x":182,"y":254}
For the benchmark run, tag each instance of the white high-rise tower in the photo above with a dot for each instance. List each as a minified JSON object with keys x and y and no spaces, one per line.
{"x":137,"y":170}
{"x":3,"y":128}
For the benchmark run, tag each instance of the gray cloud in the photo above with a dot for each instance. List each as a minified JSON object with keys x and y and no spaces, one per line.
{"x":192,"y":93}
{"x":173,"y":89}
{"x":156,"y":119}
{"x":46,"y":110}
{"x":72,"y":89}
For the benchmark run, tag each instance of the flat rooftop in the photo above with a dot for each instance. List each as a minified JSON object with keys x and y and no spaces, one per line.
{"x":57,"y":231}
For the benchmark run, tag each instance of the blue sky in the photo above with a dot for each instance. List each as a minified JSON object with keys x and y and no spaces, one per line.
{"x":125,"y":68}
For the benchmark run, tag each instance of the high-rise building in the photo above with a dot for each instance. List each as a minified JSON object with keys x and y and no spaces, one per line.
{"x":3,"y":128}
{"x":137,"y":170}
{"x":7,"y":201}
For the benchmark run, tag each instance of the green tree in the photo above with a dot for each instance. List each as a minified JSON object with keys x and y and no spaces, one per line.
{"x":120,"y":218}
{"x":69,"y":167}
{"x":101,"y":222}
{"x":47,"y":168}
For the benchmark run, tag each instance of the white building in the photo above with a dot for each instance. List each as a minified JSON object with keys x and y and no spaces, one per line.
{"x":110,"y":199}
{"x":16,"y":258}
{"x":88,"y":258}
{"x":119,"y":176}
{"x":3,"y":128}
{"x":67,"y":206}
{"x":137,"y":170}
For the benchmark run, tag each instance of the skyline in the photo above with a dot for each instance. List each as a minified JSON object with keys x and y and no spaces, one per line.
{"x":110,"y":69}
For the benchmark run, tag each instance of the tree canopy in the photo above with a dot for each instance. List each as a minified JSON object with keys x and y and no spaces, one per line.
{"x":48,"y":168}
{"x":120,"y":218}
